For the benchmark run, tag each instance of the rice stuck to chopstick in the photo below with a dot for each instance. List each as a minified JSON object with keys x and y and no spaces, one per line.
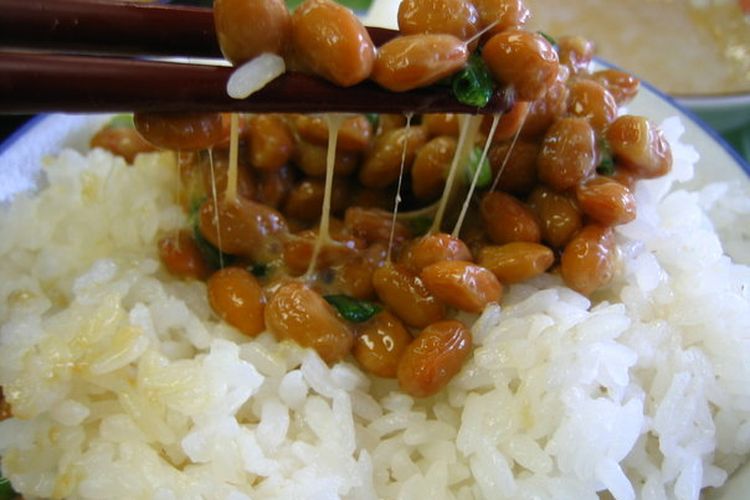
{"x":123,"y":384}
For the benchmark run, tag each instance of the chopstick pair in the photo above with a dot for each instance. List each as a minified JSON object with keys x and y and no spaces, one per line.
{"x":97,"y":56}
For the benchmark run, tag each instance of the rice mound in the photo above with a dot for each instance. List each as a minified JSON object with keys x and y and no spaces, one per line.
{"x":124,"y":385}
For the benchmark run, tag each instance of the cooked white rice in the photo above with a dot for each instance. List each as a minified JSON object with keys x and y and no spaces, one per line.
{"x":124,"y":385}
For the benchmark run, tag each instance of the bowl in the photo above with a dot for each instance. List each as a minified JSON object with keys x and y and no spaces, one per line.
{"x":22,"y":155}
{"x":708,"y":71}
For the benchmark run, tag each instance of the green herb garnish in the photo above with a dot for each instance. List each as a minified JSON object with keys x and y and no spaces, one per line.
{"x":351,"y":309}
{"x":485,"y":171}
{"x":6,"y":490}
{"x":606,"y":162}
{"x":473,"y":85}
{"x":356,"y":5}
{"x":121,"y":121}
{"x":374,"y":120}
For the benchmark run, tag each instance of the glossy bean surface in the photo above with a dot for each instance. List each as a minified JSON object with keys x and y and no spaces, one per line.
{"x":380,"y":344}
{"x":463,"y":285}
{"x":297,"y":313}
{"x":568,"y":153}
{"x":237,"y":298}
{"x":522,"y":59}
{"x":507,"y":14}
{"x":414,"y":61}
{"x":453,"y":17}
{"x":270,"y":142}
{"x":247,"y":28}
{"x":240,"y":227}
{"x":181,"y":256}
{"x":329,"y":40}
{"x":507,"y":219}
{"x":382,"y":165}
{"x":434,"y":358}
{"x":588,"y":261}
{"x":639,"y":146}
{"x":516,"y":262}
{"x":430,"y":168}
{"x":181,"y":131}
{"x":606,"y":201}
{"x":516,"y":166}
{"x":405,"y":294}
{"x":558,"y":214}
{"x":589,"y":99}
{"x":434,"y":248}
{"x":354,"y":134}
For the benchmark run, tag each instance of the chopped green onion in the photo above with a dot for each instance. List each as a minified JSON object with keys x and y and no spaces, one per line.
{"x":351,"y":309}
{"x":485,"y":171}
{"x":374,"y":120}
{"x":121,"y":121}
{"x":356,"y":5}
{"x":6,"y":490}
{"x":214,"y":257}
{"x":420,"y":225}
{"x":606,"y":163}
{"x":473,"y":85}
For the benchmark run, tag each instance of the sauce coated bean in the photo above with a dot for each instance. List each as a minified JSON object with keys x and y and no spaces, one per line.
{"x":236,"y":297}
{"x":181,"y":131}
{"x":241,"y":227}
{"x":568,"y":153}
{"x":524,"y":60}
{"x":588,"y":261}
{"x":576,"y":52}
{"x":182,"y":257}
{"x":406,"y":295}
{"x":382,"y":164}
{"x":434,"y":248}
{"x":354,"y":134}
{"x":270,"y":142}
{"x":516,"y":262}
{"x":441,"y":124}
{"x":380,"y":344}
{"x":606,"y":201}
{"x":518,"y":175}
{"x":299,"y":314}
{"x":248,"y":28}
{"x":508,"y":14}
{"x":639,"y":146}
{"x":434,"y":358}
{"x":588,"y":99}
{"x":623,"y":86}
{"x":413,"y":61}
{"x":312,"y":160}
{"x":507,"y":219}
{"x":558,"y":213}
{"x":463,"y":285}
{"x":430,"y":167}
{"x":453,"y":17}
{"x":330,"y":40}
{"x":374,"y":225}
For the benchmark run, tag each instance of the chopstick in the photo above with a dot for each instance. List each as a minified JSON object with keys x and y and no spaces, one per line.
{"x":128,"y":28}
{"x":109,"y":27}
{"x":34,"y":81}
